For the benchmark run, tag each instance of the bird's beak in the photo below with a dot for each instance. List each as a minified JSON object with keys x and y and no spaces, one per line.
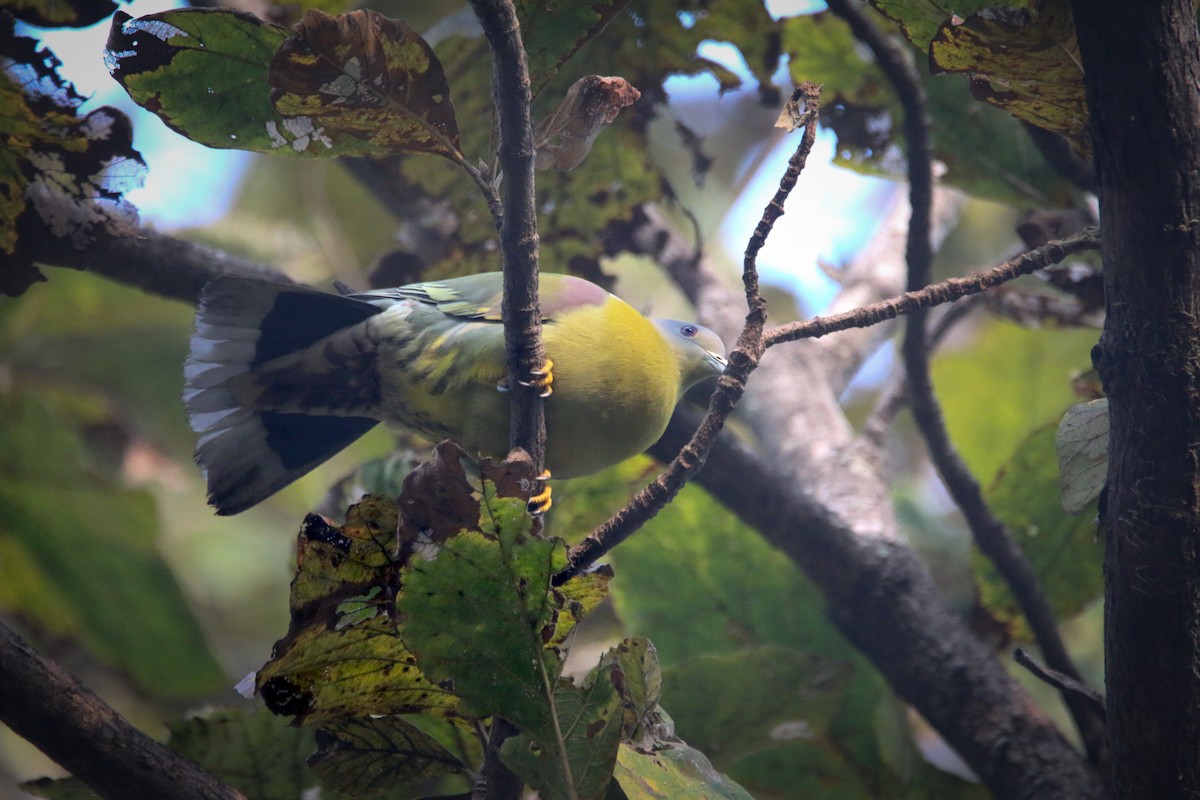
{"x":717,"y":359}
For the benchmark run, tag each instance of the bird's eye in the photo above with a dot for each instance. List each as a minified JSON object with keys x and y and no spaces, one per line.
{"x":688,"y":330}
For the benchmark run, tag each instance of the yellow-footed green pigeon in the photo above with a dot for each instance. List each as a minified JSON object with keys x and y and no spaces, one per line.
{"x":282,"y":377}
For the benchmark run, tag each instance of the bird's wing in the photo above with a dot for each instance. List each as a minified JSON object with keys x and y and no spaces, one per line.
{"x":478,"y":297}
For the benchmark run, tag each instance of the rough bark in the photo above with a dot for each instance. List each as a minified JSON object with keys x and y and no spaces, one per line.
{"x":67,"y":722}
{"x":1142,"y":71}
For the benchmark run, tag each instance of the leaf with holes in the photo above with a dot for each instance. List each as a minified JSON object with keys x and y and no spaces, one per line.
{"x":365,"y":76}
{"x":204,"y":73}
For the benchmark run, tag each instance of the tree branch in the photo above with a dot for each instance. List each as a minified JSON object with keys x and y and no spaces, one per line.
{"x":156,"y":263}
{"x":518,"y":229}
{"x":989,"y":533}
{"x":743,"y":359}
{"x":67,"y":722}
{"x":946,"y":291}
{"x":1145,"y":67}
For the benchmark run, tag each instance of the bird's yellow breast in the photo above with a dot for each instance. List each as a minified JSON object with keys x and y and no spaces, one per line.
{"x":615,"y":386}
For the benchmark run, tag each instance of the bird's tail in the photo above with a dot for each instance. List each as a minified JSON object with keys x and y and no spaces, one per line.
{"x":244,"y":384}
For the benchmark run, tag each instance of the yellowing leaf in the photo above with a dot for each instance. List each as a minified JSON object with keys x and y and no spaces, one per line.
{"x":368,"y":77}
{"x":1026,"y":64}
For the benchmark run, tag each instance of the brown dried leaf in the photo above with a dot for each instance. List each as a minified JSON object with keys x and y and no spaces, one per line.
{"x":367,"y":76}
{"x":591,"y":104}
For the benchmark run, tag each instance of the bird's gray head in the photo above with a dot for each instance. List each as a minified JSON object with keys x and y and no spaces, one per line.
{"x":701,"y":352}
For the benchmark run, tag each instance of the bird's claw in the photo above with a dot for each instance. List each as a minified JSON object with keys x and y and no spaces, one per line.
{"x":542,"y":379}
{"x":540,"y":503}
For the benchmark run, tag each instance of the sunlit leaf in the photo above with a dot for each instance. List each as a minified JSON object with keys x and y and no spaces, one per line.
{"x":1026,"y":63}
{"x":62,"y":176}
{"x":365,"y":76}
{"x":1082,"y":444}
{"x":476,"y":610}
{"x":1065,"y":552}
{"x":919,"y":20}
{"x":671,"y":772}
{"x":366,"y":756}
{"x":985,"y":151}
{"x":204,"y":73}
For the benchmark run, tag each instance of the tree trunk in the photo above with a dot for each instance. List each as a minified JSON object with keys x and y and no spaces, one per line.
{"x":1143,"y":72}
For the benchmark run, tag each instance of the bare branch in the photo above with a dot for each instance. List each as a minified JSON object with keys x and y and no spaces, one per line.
{"x":67,"y":722}
{"x":946,"y":291}
{"x":730,"y":387}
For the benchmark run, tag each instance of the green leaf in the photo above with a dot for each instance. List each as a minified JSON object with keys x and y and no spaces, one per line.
{"x":253,"y":752}
{"x":1064,"y":551}
{"x":1007,"y":382}
{"x":204,"y":73}
{"x":616,"y":703}
{"x":367,"y":756}
{"x":79,"y":554}
{"x":364,"y":76}
{"x":736,"y":704}
{"x":672,"y":772}
{"x":553,"y":32}
{"x":208,"y":74}
{"x":1025,"y":62}
{"x":477,"y":609}
{"x":1082,"y":444}
{"x":919,"y":20}
{"x":586,"y":736}
{"x":723,"y":580}
{"x":985,"y":151}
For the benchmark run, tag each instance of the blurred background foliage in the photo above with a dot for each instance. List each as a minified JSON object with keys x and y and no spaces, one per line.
{"x":111,"y":562}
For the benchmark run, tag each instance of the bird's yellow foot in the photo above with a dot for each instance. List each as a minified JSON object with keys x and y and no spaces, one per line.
{"x":542,"y":379}
{"x":540,"y":503}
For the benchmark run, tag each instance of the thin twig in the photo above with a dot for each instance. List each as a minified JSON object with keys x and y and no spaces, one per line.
{"x":1064,"y":683}
{"x":989,"y":533}
{"x":730,"y":387}
{"x":946,"y":291}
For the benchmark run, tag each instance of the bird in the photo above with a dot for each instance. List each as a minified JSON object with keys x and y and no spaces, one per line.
{"x":280,"y":377}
